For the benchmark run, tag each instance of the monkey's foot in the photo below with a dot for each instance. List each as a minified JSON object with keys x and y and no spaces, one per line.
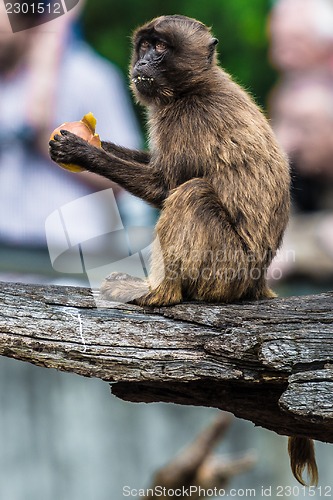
{"x":121,"y":287}
{"x":268,"y":294}
{"x":160,"y":296}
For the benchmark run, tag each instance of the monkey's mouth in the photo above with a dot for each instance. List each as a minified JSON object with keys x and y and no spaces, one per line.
{"x":144,"y":84}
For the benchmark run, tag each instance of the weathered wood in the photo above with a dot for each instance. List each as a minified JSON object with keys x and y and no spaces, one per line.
{"x":269,"y":362}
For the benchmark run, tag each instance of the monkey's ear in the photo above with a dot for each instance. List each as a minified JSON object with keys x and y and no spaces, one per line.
{"x":212,"y":46}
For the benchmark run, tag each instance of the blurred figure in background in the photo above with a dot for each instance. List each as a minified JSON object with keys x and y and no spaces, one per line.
{"x":302,"y":36}
{"x":49,"y":75}
{"x":301,"y":108}
{"x":55,"y":429}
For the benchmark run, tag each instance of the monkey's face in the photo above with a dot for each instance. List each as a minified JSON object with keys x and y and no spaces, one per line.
{"x":147,"y":73}
{"x":171,"y":55}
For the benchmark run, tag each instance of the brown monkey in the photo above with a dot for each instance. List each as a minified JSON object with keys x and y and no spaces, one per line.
{"x":214,"y":169}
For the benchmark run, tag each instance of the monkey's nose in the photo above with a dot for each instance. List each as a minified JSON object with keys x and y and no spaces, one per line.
{"x":141,"y":64}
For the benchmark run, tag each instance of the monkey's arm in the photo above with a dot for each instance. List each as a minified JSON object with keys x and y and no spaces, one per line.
{"x":139,"y":179}
{"x":126,"y":154}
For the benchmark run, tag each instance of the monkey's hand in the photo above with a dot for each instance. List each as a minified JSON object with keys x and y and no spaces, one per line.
{"x":68,"y":148}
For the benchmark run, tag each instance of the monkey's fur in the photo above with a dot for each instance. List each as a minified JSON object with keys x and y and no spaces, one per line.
{"x":214,"y":169}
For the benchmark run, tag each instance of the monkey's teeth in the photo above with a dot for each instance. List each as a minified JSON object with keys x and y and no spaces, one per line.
{"x":142,"y":79}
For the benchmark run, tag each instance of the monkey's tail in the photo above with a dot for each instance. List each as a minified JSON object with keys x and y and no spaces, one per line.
{"x":302,"y":455}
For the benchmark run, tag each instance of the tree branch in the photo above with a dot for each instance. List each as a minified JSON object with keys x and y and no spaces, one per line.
{"x":269,"y":362}
{"x":196,"y":469}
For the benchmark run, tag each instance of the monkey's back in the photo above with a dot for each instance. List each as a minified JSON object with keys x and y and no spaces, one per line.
{"x":224,"y":137}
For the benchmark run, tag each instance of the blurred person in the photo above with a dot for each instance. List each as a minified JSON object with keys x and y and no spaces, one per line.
{"x":302,"y":117}
{"x":48,"y":75}
{"x":301,"y":33}
{"x":301,"y":109}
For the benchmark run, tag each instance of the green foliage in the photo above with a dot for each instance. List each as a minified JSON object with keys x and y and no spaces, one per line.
{"x":240,"y":26}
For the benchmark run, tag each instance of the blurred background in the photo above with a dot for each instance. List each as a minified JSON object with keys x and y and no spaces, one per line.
{"x":62,"y":436}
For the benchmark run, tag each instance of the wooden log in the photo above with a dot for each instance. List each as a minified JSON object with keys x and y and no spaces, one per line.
{"x":269,"y":361}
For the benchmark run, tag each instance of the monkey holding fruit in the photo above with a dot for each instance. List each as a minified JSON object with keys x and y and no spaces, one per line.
{"x":214,"y":169}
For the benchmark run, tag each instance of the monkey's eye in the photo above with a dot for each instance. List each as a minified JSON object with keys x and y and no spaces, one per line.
{"x":160,"y":47}
{"x":144,"y":45}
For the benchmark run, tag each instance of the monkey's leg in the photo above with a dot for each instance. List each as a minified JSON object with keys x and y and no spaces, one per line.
{"x":197,"y":254}
{"x":183,"y":220}
{"x":190,"y":232}
{"x":165,"y":280}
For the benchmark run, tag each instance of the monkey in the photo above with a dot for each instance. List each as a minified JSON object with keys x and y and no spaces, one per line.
{"x":215,"y":171}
